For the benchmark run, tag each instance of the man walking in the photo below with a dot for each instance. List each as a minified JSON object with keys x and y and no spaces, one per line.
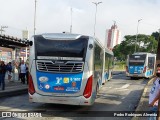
{"x":2,"y":74}
{"x":22,"y":71}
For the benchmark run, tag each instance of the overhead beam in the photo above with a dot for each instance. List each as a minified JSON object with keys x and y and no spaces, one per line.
{"x":12,"y":42}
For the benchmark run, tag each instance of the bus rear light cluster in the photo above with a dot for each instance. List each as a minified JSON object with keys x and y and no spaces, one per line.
{"x":145,"y":69}
{"x":31,"y":88}
{"x":88,"y":89}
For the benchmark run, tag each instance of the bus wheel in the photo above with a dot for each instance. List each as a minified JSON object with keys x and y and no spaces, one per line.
{"x":132,"y":78}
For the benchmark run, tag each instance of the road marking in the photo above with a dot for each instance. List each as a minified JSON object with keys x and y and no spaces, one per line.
{"x":122,"y":89}
{"x":107,"y":95}
{"x":124,"y":86}
{"x":122,"y":97}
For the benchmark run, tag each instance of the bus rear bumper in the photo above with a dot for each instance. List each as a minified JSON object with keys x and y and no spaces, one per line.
{"x":135,"y":75}
{"x":79,"y":100}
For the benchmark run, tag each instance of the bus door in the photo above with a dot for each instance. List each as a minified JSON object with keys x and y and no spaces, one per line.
{"x":151,"y":66}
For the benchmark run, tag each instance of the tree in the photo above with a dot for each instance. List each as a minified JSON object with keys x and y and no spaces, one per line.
{"x":145,"y":43}
{"x":155,"y":35}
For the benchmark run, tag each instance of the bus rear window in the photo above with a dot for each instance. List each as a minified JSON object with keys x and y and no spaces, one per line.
{"x":137,"y":59}
{"x":61,"y":48}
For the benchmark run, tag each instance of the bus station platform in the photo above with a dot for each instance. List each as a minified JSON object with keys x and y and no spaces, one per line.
{"x":143,"y":105}
{"x":12,"y":88}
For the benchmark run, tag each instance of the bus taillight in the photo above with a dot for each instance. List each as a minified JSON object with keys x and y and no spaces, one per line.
{"x":31,"y":89}
{"x":145,"y":68}
{"x":88,"y":89}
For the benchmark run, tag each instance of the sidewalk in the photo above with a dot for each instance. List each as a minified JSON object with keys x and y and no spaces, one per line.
{"x":13,"y":88}
{"x":143,"y":103}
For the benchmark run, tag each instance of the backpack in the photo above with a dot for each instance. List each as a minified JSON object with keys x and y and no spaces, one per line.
{"x":9,"y":68}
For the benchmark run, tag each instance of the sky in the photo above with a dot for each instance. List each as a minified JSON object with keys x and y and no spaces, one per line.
{"x":54,"y":16}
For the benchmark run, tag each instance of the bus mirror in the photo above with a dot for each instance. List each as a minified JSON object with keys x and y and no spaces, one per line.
{"x":30,"y":43}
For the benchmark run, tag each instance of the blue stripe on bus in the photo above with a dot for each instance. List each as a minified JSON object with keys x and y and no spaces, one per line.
{"x":136,"y":69}
{"x":139,"y":70}
{"x":59,"y":83}
{"x":149,"y":73}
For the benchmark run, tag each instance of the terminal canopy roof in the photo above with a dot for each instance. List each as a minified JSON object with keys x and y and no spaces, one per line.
{"x":12,"y":42}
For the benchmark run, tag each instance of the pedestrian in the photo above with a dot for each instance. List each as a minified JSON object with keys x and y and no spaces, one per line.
{"x":155,"y":94}
{"x":18,"y":68}
{"x":27,"y":70}
{"x":2,"y":74}
{"x":22,"y":71}
{"x":27,"y":74}
{"x":13,"y":69}
{"x":9,"y":71}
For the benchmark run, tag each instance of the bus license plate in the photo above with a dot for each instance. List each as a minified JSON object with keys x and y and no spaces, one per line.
{"x":135,"y":75}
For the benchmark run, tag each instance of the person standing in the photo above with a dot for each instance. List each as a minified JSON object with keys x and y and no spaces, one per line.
{"x":27,"y":70}
{"x":2,"y":74}
{"x":9,"y":71}
{"x":154,"y":94}
{"x":22,"y":71}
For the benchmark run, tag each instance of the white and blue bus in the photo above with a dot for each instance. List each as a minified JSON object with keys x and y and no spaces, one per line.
{"x":141,"y":64}
{"x":67,"y":68}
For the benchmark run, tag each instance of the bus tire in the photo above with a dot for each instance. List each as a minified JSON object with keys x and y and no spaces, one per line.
{"x":132,"y":78}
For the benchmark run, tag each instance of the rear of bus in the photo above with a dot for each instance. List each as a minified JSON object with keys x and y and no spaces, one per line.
{"x":136,"y":65}
{"x":61,"y":69}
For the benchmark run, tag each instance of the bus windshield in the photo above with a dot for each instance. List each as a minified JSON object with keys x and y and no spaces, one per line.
{"x":137,"y":59}
{"x":61,"y":48}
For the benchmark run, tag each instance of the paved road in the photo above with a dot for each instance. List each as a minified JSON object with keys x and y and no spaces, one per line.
{"x":118,"y":94}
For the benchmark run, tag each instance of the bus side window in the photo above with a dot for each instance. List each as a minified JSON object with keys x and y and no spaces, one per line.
{"x":98,"y":60}
{"x":150,"y":62}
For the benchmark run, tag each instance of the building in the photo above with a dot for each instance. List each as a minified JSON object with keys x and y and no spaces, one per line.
{"x":113,"y":36}
{"x":5,"y":54}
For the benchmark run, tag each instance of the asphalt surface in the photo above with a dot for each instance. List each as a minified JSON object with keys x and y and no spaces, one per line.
{"x":15,"y":87}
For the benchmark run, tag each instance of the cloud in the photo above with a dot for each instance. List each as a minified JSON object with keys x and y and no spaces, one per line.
{"x":55,"y":16}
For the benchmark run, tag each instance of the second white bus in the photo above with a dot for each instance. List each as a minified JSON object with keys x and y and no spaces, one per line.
{"x":141,"y":64}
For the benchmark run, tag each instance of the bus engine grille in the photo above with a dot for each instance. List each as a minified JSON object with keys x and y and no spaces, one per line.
{"x":68,"y":67}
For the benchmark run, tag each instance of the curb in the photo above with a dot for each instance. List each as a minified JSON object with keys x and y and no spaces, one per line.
{"x":142,"y":99}
{"x":13,"y":93}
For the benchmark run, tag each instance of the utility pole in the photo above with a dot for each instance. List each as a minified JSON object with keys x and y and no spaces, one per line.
{"x":159,"y":34}
{"x":137,"y":33}
{"x":96,"y":3}
{"x":71,"y":22}
{"x":2,"y":29}
{"x":35,"y":17}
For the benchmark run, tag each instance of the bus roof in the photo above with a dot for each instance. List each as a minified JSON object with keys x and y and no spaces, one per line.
{"x":61,"y":36}
{"x":71,"y":36}
{"x":68,"y":36}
